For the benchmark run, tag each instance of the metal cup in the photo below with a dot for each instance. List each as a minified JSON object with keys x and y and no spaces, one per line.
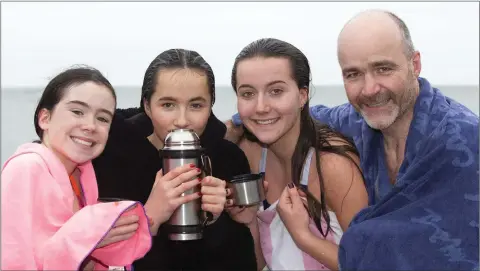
{"x":247,"y":189}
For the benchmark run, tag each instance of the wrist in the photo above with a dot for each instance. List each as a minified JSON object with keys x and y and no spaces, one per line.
{"x":154,"y":220}
{"x":302,"y":237}
{"x":252,"y":224}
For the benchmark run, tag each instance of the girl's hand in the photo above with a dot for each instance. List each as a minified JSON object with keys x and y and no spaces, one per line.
{"x":165,"y":196}
{"x":244,"y":214}
{"x":293,"y":213}
{"x":214,"y":196}
{"x":123,"y":229}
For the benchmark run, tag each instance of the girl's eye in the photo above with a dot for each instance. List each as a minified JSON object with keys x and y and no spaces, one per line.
{"x":102,"y":119}
{"x":246,"y":94}
{"x":168,"y":105}
{"x":197,"y":106}
{"x":276,"y":91}
{"x":77,"y":112}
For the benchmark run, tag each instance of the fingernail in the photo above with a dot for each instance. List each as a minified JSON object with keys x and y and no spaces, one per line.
{"x":199,"y":193}
{"x":192,"y":165}
{"x":199,"y":170}
{"x":291,"y":185}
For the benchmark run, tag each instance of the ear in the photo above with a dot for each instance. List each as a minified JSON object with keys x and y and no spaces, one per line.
{"x":43,"y":119}
{"x":417,"y":63}
{"x":303,"y":96}
{"x":148,"y":111}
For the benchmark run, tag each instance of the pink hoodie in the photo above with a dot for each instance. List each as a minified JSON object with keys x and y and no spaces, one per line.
{"x":40,"y":231}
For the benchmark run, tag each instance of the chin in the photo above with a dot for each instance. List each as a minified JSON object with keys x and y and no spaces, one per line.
{"x":379,"y":123}
{"x":83,"y":158}
{"x":267,"y":139}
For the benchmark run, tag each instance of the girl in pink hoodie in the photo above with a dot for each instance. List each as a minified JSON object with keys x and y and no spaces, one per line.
{"x":51,"y":218}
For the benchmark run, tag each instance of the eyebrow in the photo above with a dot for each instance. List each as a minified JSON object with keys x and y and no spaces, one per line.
{"x":84,"y":104}
{"x":375,"y":64}
{"x":171,"y":99}
{"x":383,"y":63}
{"x":269,"y":84}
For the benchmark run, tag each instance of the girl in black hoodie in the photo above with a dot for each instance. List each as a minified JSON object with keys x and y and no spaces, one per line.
{"x":178,"y":92}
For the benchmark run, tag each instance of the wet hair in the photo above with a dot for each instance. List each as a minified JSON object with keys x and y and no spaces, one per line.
{"x":56,"y":88}
{"x":409,"y":49}
{"x":312,"y":133}
{"x":171,"y":59}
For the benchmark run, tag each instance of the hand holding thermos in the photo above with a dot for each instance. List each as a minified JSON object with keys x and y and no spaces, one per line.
{"x":183,"y":194}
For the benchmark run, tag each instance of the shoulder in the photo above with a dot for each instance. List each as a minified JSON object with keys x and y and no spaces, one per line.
{"x":228,"y":159}
{"x":253,"y":151}
{"x":25,"y":160}
{"x":24,"y":167}
{"x":340,"y":165}
{"x":343,"y":118}
{"x":328,"y":115}
{"x":226,"y":149}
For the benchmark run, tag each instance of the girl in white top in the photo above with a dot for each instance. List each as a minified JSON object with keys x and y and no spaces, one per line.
{"x":315,"y":186}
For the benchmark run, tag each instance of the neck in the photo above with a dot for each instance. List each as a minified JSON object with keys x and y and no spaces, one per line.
{"x":156,"y":142}
{"x":69,"y":165}
{"x":395,"y":136}
{"x":284,"y":147}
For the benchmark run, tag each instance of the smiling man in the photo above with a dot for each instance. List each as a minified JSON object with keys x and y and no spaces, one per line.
{"x":418,"y":152}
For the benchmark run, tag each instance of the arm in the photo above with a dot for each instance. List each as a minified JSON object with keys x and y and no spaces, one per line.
{"x":52,"y":236}
{"x":345,"y":194}
{"x":37,"y":243}
{"x":252,"y":151}
{"x":231,"y":243}
{"x":253,"y":227}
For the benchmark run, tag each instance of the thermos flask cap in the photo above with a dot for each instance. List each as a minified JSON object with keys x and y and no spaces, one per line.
{"x":182,"y":139}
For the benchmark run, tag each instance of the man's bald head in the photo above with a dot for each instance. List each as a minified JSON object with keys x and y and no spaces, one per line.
{"x":377,"y":22}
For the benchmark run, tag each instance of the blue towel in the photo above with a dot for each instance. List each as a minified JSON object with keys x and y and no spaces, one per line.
{"x":428,"y":220}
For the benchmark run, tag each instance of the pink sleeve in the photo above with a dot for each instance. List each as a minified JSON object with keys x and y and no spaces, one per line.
{"x":20,"y":184}
{"x":40,"y":231}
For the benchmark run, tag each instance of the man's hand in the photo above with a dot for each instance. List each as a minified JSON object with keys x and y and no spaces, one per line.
{"x":233,"y":133}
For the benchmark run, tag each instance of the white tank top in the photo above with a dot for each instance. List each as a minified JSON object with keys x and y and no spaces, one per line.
{"x":279,"y":249}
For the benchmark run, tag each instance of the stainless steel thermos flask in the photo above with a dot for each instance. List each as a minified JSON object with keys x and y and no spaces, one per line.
{"x":182,"y":146}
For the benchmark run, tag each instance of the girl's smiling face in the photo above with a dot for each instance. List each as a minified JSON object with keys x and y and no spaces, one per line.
{"x":77,"y":128}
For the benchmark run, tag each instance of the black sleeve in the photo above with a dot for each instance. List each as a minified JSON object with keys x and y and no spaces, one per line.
{"x":230,"y":244}
{"x":128,"y":112}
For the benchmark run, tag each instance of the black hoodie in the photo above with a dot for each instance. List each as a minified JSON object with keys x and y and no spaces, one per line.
{"x":127,"y":169}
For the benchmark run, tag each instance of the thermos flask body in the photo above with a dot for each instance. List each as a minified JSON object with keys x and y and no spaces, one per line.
{"x":183,"y":147}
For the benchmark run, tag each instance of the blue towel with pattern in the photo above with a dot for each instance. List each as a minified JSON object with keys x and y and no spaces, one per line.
{"x":429,"y":219}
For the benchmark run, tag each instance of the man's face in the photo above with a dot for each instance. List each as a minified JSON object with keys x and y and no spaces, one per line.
{"x":379,"y":78}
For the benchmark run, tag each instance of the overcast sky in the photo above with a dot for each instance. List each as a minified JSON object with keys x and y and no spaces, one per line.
{"x":121,"y":39}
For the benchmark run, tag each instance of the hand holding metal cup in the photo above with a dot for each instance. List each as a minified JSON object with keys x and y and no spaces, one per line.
{"x":247,"y":189}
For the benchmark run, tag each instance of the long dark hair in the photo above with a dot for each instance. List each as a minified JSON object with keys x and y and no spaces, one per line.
{"x":175,"y":58}
{"x":312,"y":133}
{"x":55,"y":89}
